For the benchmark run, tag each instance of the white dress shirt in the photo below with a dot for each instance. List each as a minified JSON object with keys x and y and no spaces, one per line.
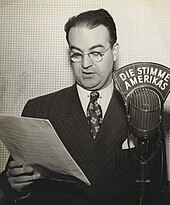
{"x":104,"y":97}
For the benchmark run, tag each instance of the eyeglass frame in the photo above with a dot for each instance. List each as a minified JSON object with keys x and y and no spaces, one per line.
{"x":100,"y":53}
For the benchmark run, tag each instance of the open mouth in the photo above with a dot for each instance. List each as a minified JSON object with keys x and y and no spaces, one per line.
{"x":88,"y":74}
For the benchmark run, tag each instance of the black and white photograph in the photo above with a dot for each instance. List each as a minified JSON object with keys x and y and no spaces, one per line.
{"x":84,"y":102}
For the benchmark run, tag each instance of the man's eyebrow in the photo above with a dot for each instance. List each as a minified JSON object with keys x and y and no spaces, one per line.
{"x":97,"y":46}
{"x":91,"y":48}
{"x":74,"y":47}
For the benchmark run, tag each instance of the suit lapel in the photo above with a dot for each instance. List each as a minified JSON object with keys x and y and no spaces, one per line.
{"x":91,"y":155}
{"x":74,"y":129}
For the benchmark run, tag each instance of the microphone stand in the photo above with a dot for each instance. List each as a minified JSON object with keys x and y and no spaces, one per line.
{"x":143,"y":180}
{"x":143,"y":156}
{"x":143,"y":160}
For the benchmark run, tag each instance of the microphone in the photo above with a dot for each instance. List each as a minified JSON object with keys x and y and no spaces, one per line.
{"x":144,"y":113}
{"x":144,"y":87}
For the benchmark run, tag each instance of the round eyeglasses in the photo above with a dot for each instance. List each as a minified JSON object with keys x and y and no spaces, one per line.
{"x":95,"y":56}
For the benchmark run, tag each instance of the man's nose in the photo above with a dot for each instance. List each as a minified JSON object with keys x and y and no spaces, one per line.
{"x":86,"y":62}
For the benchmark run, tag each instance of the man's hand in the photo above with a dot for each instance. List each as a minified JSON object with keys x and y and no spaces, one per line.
{"x":20,"y":176}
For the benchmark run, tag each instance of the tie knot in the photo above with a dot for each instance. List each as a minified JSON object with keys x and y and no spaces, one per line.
{"x":94,"y":96}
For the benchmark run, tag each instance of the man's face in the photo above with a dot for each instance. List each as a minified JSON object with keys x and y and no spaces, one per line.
{"x":89,"y":74}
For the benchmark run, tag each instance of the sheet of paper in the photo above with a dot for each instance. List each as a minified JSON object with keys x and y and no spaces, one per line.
{"x":34,"y":142}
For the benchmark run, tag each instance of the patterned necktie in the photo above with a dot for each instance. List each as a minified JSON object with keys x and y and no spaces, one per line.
{"x":94,"y":114}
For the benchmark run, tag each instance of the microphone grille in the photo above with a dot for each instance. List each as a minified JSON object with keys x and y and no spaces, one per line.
{"x":145,"y":99}
{"x":144,"y":110}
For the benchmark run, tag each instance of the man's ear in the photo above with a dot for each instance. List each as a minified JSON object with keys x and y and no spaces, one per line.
{"x":115,"y":51}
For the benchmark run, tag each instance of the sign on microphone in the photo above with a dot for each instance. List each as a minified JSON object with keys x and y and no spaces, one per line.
{"x":143,"y":74}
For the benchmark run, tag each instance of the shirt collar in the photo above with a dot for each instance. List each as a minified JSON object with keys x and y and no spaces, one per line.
{"x":105,"y":95}
{"x":83,"y":93}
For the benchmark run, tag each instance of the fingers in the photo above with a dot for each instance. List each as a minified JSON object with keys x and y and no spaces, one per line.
{"x":15,"y":164}
{"x":20,"y":182}
{"x":19,"y":186}
{"x":17,"y":170}
{"x":24,"y":178}
{"x":20,"y":176}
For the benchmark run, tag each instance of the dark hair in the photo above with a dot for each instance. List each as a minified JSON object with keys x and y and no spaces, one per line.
{"x":92,"y":19}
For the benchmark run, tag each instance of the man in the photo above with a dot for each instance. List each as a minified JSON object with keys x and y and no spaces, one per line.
{"x":95,"y":142}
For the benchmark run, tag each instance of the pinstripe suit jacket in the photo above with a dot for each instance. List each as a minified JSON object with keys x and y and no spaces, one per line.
{"x":111,"y":170}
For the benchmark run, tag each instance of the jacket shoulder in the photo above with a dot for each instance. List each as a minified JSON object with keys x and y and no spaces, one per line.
{"x":60,"y":93}
{"x":39,"y":106}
